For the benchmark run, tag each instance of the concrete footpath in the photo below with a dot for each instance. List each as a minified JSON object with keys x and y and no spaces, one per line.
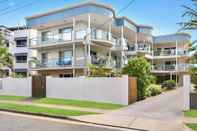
{"x":159,"y":113}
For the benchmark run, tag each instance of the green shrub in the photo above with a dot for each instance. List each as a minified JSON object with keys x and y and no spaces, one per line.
{"x":99,"y":71}
{"x":153,"y":90}
{"x":169,"y":84}
{"x":140,"y":68}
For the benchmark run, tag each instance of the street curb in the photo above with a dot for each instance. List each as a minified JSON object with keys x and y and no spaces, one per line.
{"x":70,"y":119}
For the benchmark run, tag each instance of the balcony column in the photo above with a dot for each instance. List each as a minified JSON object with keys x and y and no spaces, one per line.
{"x":74,"y":56}
{"x":73,"y":31}
{"x":136,"y":39}
{"x":109,"y":33}
{"x":87,"y":42}
{"x":109,"y":58}
{"x":89,"y":38}
{"x":122,"y":42}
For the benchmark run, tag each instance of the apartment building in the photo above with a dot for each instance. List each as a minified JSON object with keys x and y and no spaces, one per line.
{"x":170,"y":56}
{"x":67,"y":40}
{"x":16,"y":42}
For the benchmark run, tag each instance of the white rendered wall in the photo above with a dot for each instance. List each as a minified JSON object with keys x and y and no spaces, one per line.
{"x":109,"y":90}
{"x":16,"y":86}
{"x":186,"y":92}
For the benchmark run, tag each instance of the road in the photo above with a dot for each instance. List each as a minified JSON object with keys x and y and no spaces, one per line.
{"x":17,"y":122}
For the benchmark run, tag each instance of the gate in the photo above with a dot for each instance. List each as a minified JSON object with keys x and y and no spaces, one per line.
{"x":38,"y":86}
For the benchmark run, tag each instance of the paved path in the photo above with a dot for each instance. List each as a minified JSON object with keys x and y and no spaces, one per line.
{"x":18,"y":122}
{"x":160,"y":113}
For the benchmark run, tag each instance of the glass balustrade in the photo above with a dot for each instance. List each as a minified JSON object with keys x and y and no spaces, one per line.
{"x":55,"y":62}
{"x":170,"y":67}
{"x":170,"y":52}
{"x":69,"y":36}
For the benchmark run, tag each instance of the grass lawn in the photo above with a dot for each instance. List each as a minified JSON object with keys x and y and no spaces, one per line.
{"x":78,"y":103}
{"x":43,"y":110}
{"x":13,"y":98}
{"x":192,"y":126}
{"x":191,"y":113}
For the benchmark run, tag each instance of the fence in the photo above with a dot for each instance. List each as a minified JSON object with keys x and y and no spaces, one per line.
{"x":16,"y":86}
{"x":118,"y":90}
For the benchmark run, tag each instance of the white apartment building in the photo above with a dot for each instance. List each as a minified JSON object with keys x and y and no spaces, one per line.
{"x":67,"y":40}
{"x":16,"y":42}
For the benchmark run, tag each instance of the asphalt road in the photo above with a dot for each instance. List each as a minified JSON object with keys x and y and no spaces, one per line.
{"x":20,"y":123}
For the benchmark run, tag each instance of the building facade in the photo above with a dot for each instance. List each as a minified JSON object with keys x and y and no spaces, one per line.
{"x":67,"y":40}
{"x":16,"y":42}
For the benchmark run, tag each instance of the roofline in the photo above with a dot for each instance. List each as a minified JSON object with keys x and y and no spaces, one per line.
{"x":181,"y":33}
{"x":132,"y":22}
{"x":71,"y":7}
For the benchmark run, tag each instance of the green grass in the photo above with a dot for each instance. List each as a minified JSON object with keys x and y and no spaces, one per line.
{"x":191,"y":113}
{"x":192,"y":126}
{"x":12,"y":98}
{"x":78,"y":103}
{"x":43,"y":110}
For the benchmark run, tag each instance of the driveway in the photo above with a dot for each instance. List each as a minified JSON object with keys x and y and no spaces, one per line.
{"x":159,"y":113}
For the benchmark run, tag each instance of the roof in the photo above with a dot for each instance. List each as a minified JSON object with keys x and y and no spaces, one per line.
{"x":172,"y":38}
{"x":71,"y":7}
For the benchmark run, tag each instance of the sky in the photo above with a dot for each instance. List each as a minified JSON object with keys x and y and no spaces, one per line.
{"x":162,"y":15}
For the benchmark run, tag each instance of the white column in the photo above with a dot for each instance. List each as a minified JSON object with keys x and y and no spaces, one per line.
{"x":73,"y":32}
{"x":89,"y":36}
{"x":74,"y":56}
{"x":136,"y":39}
{"x":176,"y":63}
{"x":122,"y":42}
{"x":109,"y":33}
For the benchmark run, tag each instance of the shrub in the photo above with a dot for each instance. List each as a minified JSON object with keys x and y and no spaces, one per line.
{"x":153,"y":90}
{"x":100,"y":71}
{"x":141,"y":69}
{"x":169,"y":84}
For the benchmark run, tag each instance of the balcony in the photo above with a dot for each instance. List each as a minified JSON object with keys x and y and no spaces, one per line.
{"x":170,"y":53}
{"x":98,"y":36}
{"x":70,"y":62}
{"x":56,"y":62}
{"x":160,"y":68}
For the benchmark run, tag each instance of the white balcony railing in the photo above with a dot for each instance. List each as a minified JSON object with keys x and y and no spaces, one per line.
{"x":170,"y":67}
{"x":95,"y":34}
{"x":170,"y":52}
{"x":71,"y":61}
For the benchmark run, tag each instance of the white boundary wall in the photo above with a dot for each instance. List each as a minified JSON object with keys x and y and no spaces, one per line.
{"x":186,"y":92}
{"x":16,"y":86}
{"x":109,"y":90}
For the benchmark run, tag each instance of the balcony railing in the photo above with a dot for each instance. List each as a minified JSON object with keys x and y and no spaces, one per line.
{"x":170,"y":67}
{"x":70,"y":61}
{"x":71,"y":36}
{"x":56,"y":62}
{"x":170,"y":52}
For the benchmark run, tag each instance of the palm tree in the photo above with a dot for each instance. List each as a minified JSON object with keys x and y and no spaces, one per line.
{"x":5,"y":57}
{"x":191,"y":13}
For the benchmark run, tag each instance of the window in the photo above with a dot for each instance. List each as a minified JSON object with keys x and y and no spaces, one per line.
{"x":7,"y":43}
{"x":66,"y":33}
{"x":44,"y":58}
{"x":21,"y":43}
{"x":21,"y":59}
{"x":46,"y":36}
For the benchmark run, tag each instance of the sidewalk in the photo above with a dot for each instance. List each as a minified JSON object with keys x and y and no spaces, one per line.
{"x":100,"y":111}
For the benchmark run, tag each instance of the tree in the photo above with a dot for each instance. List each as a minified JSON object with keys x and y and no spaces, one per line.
{"x":139,"y":67}
{"x":191,"y":15}
{"x":5,"y":56}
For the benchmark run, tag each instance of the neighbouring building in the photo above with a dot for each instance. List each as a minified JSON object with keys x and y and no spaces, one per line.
{"x":16,"y":42}
{"x":67,"y":40}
